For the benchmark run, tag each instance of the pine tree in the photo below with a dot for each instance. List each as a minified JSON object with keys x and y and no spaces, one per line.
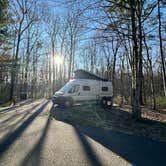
{"x":3,"y":21}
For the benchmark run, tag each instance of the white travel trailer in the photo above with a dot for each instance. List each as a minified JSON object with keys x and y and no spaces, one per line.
{"x":84,"y":87}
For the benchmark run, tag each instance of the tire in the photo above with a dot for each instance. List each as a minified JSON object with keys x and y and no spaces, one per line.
{"x":109,"y":104}
{"x":68,"y":103}
{"x":103,"y":101}
{"x":54,"y":103}
{"x":106,"y":102}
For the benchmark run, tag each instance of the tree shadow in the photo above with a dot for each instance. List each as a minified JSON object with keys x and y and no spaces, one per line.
{"x":11,"y":108}
{"x":137,"y":150}
{"x":13,"y":117}
{"x":90,"y":153}
{"x":34,"y":156}
{"x":10,"y":126}
{"x":13,"y":136}
{"x":115,"y":118}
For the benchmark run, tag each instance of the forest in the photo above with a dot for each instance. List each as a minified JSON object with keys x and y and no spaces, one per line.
{"x":43,"y":42}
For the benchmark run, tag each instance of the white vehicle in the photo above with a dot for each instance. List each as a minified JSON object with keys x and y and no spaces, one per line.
{"x":81,"y":89}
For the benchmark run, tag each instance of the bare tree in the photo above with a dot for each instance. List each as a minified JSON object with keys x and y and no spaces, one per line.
{"x":52,"y":30}
{"x":21,"y":9}
{"x":161,"y":48}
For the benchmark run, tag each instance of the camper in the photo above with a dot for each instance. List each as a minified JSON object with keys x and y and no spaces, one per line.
{"x":83,"y":87}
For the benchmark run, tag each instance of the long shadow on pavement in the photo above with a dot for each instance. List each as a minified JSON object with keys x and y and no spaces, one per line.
{"x":90,"y":153}
{"x":12,"y":117}
{"x":6,"y":142}
{"x":15,"y":106}
{"x":137,"y":150}
{"x":34,"y":156}
{"x":10,"y":127}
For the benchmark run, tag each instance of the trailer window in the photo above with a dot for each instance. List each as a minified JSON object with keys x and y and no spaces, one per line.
{"x":86,"y":88}
{"x":74,"y":89}
{"x":104,"y":88}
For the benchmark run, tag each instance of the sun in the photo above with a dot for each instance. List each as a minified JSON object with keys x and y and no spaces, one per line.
{"x":58,"y":60}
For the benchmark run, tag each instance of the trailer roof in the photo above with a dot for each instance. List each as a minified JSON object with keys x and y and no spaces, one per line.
{"x":82,"y":74}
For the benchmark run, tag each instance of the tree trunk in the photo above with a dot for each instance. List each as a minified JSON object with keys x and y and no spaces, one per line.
{"x":140,"y":49}
{"x":136,"y":111}
{"x":27,"y":65}
{"x":53,"y":67}
{"x":161,"y":49}
{"x":151,"y":74}
{"x":70,"y":57}
{"x":13,"y":72}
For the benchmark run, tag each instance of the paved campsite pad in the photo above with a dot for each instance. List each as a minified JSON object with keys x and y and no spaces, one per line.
{"x":32,"y":137}
{"x":116,"y":119}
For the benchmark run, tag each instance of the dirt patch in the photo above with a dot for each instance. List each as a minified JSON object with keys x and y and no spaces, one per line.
{"x":148,"y":113}
{"x":119,"y":119}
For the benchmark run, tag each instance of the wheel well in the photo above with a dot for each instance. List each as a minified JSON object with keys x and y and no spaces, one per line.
{"x":70,"y":99}
{"x":107,"y":97}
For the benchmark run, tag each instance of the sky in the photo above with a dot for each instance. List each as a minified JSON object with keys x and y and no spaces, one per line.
{"x":89,"y":22}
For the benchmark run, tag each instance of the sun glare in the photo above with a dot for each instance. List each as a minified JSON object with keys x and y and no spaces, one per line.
{"x":58,"y":60}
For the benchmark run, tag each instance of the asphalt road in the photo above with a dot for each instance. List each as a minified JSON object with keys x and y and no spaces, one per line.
{"x":29,"y":136}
